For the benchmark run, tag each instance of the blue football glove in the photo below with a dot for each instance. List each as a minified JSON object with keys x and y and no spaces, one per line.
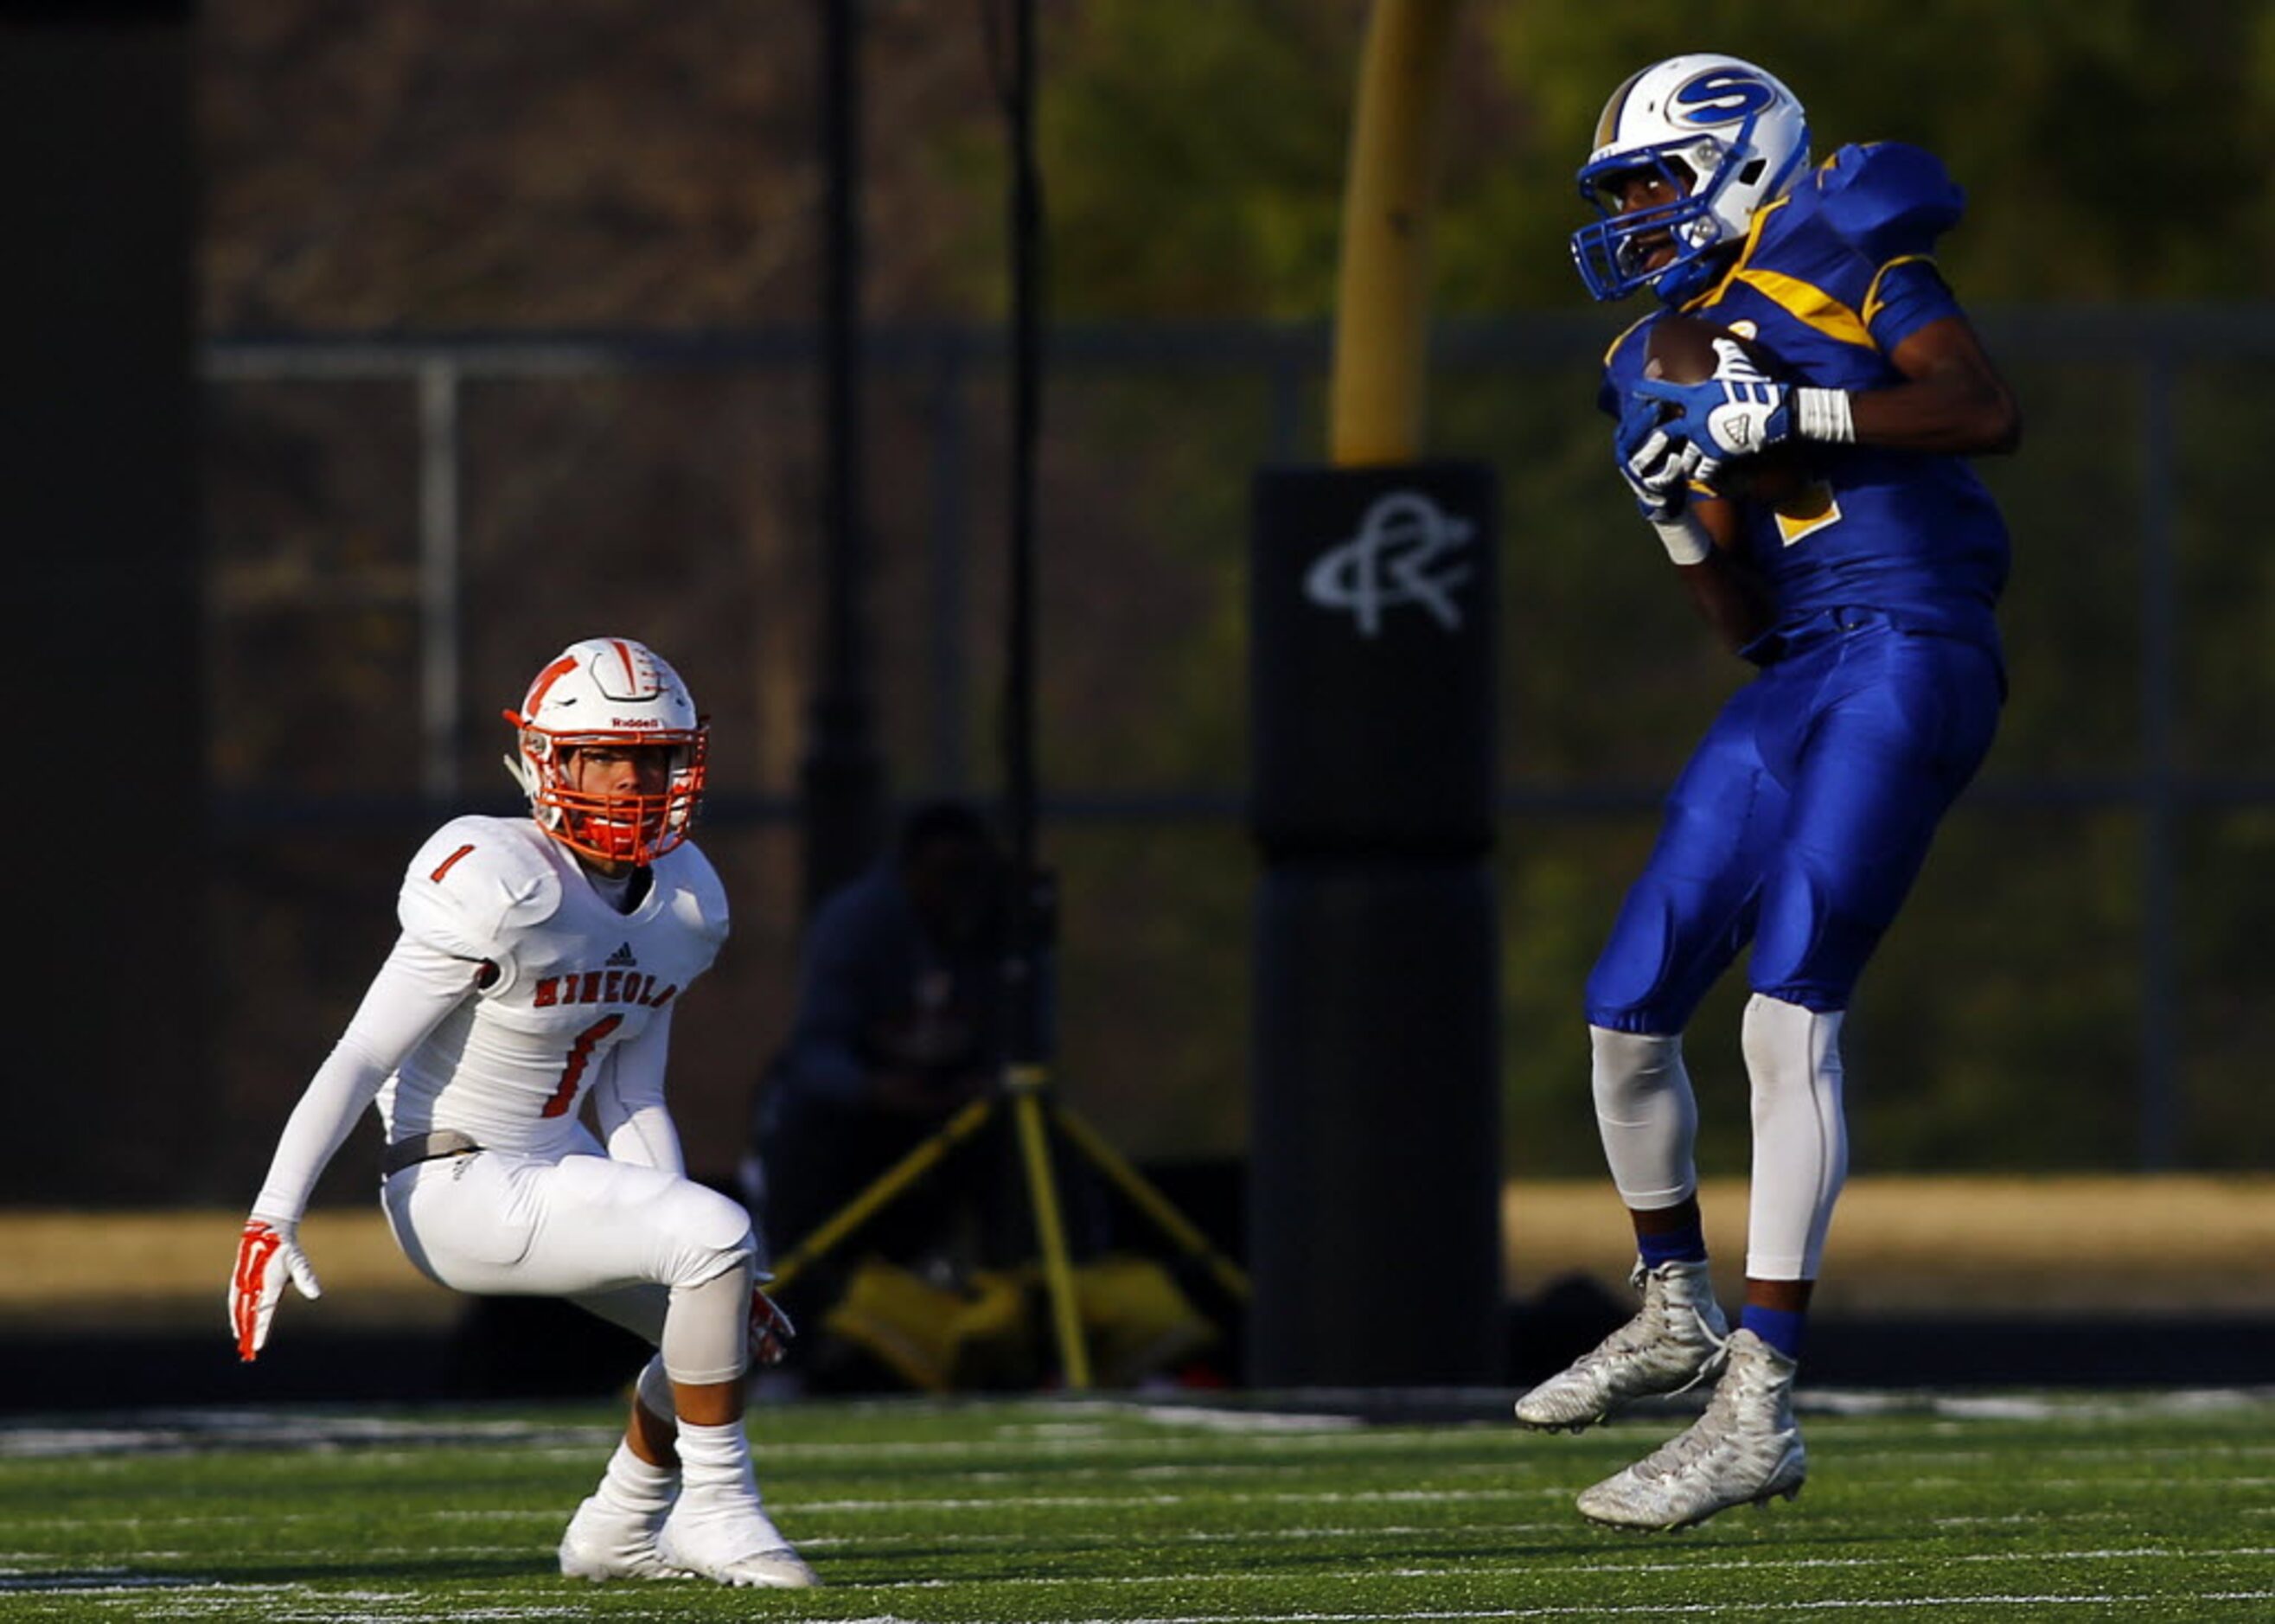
{"x":1739,"y":411}
{"x":1656,"y":466}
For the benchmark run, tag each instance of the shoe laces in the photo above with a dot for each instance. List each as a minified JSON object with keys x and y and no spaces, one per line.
{"x":1718,"y":1346}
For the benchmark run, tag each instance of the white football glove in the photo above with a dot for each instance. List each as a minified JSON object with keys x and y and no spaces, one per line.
{"x":267,"y":1251}
{"x":771,"y":1330}
{"x":1659,"y":469}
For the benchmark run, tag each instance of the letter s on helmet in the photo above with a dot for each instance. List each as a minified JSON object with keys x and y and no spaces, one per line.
{"x":1729,"y":136}
{"x":612,"y":692}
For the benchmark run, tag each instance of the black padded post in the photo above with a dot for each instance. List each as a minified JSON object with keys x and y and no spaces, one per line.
{"x":1374,"y":1168}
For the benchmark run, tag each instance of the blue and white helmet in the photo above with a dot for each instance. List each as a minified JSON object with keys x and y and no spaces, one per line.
{"x":1730,"y":137}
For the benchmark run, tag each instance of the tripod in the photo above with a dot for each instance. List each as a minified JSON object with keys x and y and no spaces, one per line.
{"x":1027,"y":1091}
{"x":1040,"y":1119}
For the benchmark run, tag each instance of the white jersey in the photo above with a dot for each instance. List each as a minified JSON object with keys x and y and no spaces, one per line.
{"x":574,"y":979}
{"x":514,"y":991}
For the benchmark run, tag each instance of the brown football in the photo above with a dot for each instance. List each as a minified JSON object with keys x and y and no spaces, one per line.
{"x":1680,"y":349}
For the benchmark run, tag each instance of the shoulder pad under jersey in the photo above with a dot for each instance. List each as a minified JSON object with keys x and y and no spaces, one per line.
{"x":692,"y":891}
{"x":475,"y":885}
{"x":1888,"y":199}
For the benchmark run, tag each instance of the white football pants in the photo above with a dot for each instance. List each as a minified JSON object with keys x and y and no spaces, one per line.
{"x":667,"y":1259}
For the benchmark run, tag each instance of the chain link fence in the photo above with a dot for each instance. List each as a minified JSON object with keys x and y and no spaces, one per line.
{"x":400,"y":530}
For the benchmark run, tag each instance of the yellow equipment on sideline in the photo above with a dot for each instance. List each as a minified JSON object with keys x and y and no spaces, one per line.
{"x":981,"y":1334}
{"x":1129,"y":1309}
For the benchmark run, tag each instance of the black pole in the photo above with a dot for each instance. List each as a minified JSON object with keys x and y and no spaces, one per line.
{"x":98,"y":455}
{"x":1032,"y":912}
{"x":842,"y":778}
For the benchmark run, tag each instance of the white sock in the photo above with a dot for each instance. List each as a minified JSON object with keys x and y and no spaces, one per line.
{"x":635,"y":1487}
{"x":714,"y":1469}
{"x":1801,"y":1136}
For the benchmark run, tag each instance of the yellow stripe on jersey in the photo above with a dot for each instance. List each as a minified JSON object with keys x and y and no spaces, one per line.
{"x":1805,"y":301}
{"x":1753,"y":237}
{"x":1810,"y":304}
{"x":1872,"y":293}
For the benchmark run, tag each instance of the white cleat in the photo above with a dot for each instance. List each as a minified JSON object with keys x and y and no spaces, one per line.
{"x":1666,"y":1348}
{"x":1746,"y":1447}
{"x":732,"y":1545}
{"x":600,"y":1544}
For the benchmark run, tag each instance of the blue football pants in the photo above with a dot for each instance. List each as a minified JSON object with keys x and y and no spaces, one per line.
{"x":1799,"y":824}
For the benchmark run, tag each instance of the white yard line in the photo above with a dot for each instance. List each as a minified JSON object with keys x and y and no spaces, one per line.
{"x":1051,"y":1426}
{"x":1663,"y":1609}
{"x":791,"y":1506}
{"x":1532,"y":1568}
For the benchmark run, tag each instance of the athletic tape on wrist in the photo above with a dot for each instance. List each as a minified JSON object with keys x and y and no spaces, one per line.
{"x":1824,"y":414}
{"x":1684,"y":538}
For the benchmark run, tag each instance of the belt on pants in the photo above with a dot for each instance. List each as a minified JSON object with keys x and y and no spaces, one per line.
{"x":424,"y":1147}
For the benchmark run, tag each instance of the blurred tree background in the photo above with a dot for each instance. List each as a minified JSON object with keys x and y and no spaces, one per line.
{"x":412,"y":171}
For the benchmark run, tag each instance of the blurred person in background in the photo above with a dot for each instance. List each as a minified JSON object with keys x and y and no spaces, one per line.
{"x":1815,"y":501}
{"x":899,"y":1024}
{"x":538,"y":966}
{"x":903,"y":1023}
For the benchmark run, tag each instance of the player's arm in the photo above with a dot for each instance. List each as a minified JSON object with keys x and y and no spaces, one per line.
{"x":1950,"y":400}
{"x":413,"y":991}
{"x":1727,"y":590}
{"x":628,"y":1103}
{"x":1953,"y":399}
{"x":1699,"y":530}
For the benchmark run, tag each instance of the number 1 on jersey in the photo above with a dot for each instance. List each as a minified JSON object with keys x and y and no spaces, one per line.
{"x":580,"y":1055}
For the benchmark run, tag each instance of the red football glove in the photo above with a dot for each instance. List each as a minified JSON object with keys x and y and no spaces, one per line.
{"x":771,"y":1330}
{"x":266,"y":1253}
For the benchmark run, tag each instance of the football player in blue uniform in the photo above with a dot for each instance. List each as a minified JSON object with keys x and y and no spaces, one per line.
{"x":1816,"y":501}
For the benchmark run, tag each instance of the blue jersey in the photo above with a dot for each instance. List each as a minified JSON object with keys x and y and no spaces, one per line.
{"x":1831,"y":279}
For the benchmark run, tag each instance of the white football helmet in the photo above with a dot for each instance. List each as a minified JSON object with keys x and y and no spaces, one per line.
{"x":1729,"y":136}
{"x":615,"y":692}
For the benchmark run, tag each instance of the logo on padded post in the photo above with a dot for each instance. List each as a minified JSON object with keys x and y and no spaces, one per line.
{"x":1404,"y":553}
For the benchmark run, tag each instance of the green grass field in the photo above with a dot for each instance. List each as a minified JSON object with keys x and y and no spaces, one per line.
{"x":2007,"y":1507}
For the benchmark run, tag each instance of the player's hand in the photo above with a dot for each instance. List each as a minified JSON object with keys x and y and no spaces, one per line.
{"x":771,"y":1330}
{"x":1739,"y":411}
{"x":1656,"y":465}
{"x":266,"y":1253}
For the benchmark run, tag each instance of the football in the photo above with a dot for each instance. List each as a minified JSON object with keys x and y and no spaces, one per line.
{"x":1680,"y":349}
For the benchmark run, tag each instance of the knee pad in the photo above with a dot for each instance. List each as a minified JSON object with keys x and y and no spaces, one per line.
{"x":706,"y":1327}
{"x":710,"y":1232}
{"x":707,"y":1330}
{"x":1646,"y":1114}
{"x":1801,"y":1136}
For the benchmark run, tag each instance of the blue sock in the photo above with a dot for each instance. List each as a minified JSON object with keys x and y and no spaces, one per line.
{"x":1687,"y":1245}
{"x":1781,"y":1328}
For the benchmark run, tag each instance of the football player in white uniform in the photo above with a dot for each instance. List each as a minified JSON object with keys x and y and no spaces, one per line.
{"x":538,"y":966}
